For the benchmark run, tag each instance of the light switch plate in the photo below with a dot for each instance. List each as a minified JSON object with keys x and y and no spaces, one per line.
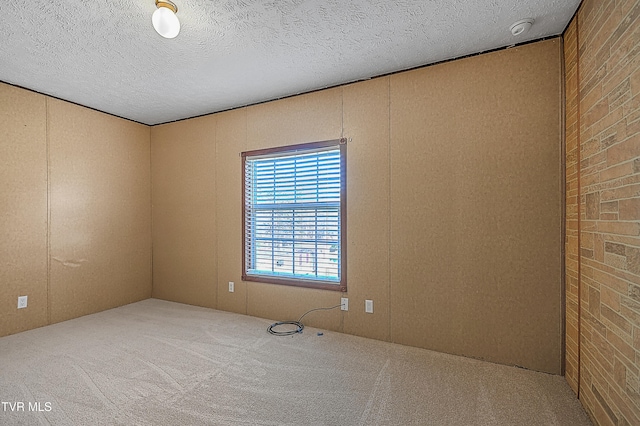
{"x":368,"y":306}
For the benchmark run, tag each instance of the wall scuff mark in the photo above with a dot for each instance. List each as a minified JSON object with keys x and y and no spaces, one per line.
{"x":71,"y":263}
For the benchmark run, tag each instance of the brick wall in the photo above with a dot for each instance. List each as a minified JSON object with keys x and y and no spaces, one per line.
{"x":571,"y":206}
{"x":607,"y":69}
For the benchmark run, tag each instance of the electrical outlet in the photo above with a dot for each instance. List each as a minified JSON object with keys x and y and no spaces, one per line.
{"x":22,"y":302}
{"x":368,"y":306}
{"x":344,"y":304}
{"x":231,"y":286}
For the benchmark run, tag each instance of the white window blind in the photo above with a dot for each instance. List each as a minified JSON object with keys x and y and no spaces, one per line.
{"x":292,"y":215}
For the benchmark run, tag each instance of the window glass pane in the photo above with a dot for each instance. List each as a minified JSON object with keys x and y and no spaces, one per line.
{"x":293,"y":214}
{"x":328,"y":260}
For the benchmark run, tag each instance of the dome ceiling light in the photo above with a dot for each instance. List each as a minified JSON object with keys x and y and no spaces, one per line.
{"x":164,"y":19}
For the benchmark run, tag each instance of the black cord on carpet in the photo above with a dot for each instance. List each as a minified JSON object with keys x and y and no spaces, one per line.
{"x":298,"y":324}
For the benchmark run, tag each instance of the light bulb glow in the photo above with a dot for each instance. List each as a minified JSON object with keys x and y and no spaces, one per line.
{"x":165,"y":22}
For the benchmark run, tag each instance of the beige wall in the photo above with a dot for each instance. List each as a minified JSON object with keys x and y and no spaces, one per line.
{"x":100,"y":229}
{"x":23,"y":209}
{"x":476,"y":207}
{"x":184,"y":214}
{"x":606,"y":178}
{"x":75,"y":207}
{"x":231,"y":134}
{"x":454,"y":206}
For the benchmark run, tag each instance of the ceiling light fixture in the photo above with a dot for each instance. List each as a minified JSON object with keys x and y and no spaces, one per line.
{"x":164,"y":19}
{"x":521,"y":27}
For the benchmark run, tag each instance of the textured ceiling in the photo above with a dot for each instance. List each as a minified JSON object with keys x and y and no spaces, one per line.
{"x":229,"y":53}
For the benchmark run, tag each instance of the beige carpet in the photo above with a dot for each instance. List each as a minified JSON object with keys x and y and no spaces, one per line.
{"x":163,"y":363}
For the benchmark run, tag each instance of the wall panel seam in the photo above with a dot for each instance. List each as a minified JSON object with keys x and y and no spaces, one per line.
{"x":246,"y":140}
{"x":563,"y":206}
{"x":346,"y":243}
{"x":579,"y":202}
{"x":48,"y":154}
{"x":151,"y":203}
{"x":215,"y":208}
{"x":389,"y":223}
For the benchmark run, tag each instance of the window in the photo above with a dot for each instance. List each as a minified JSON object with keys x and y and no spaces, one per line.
{"x":294,"y":214}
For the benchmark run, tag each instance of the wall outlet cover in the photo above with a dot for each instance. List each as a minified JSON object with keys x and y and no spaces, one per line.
{"x":344,"y":304}
{"x":22,"y":302}
{"x":232,"y":287}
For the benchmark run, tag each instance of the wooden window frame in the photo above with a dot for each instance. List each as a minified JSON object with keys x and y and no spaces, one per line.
{"x":299,"y":282}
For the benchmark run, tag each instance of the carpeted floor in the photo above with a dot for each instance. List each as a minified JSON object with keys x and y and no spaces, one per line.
{"x":163,"y":363}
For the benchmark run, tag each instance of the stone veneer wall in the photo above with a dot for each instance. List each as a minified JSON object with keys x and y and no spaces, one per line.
{"x":603,"y":230}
